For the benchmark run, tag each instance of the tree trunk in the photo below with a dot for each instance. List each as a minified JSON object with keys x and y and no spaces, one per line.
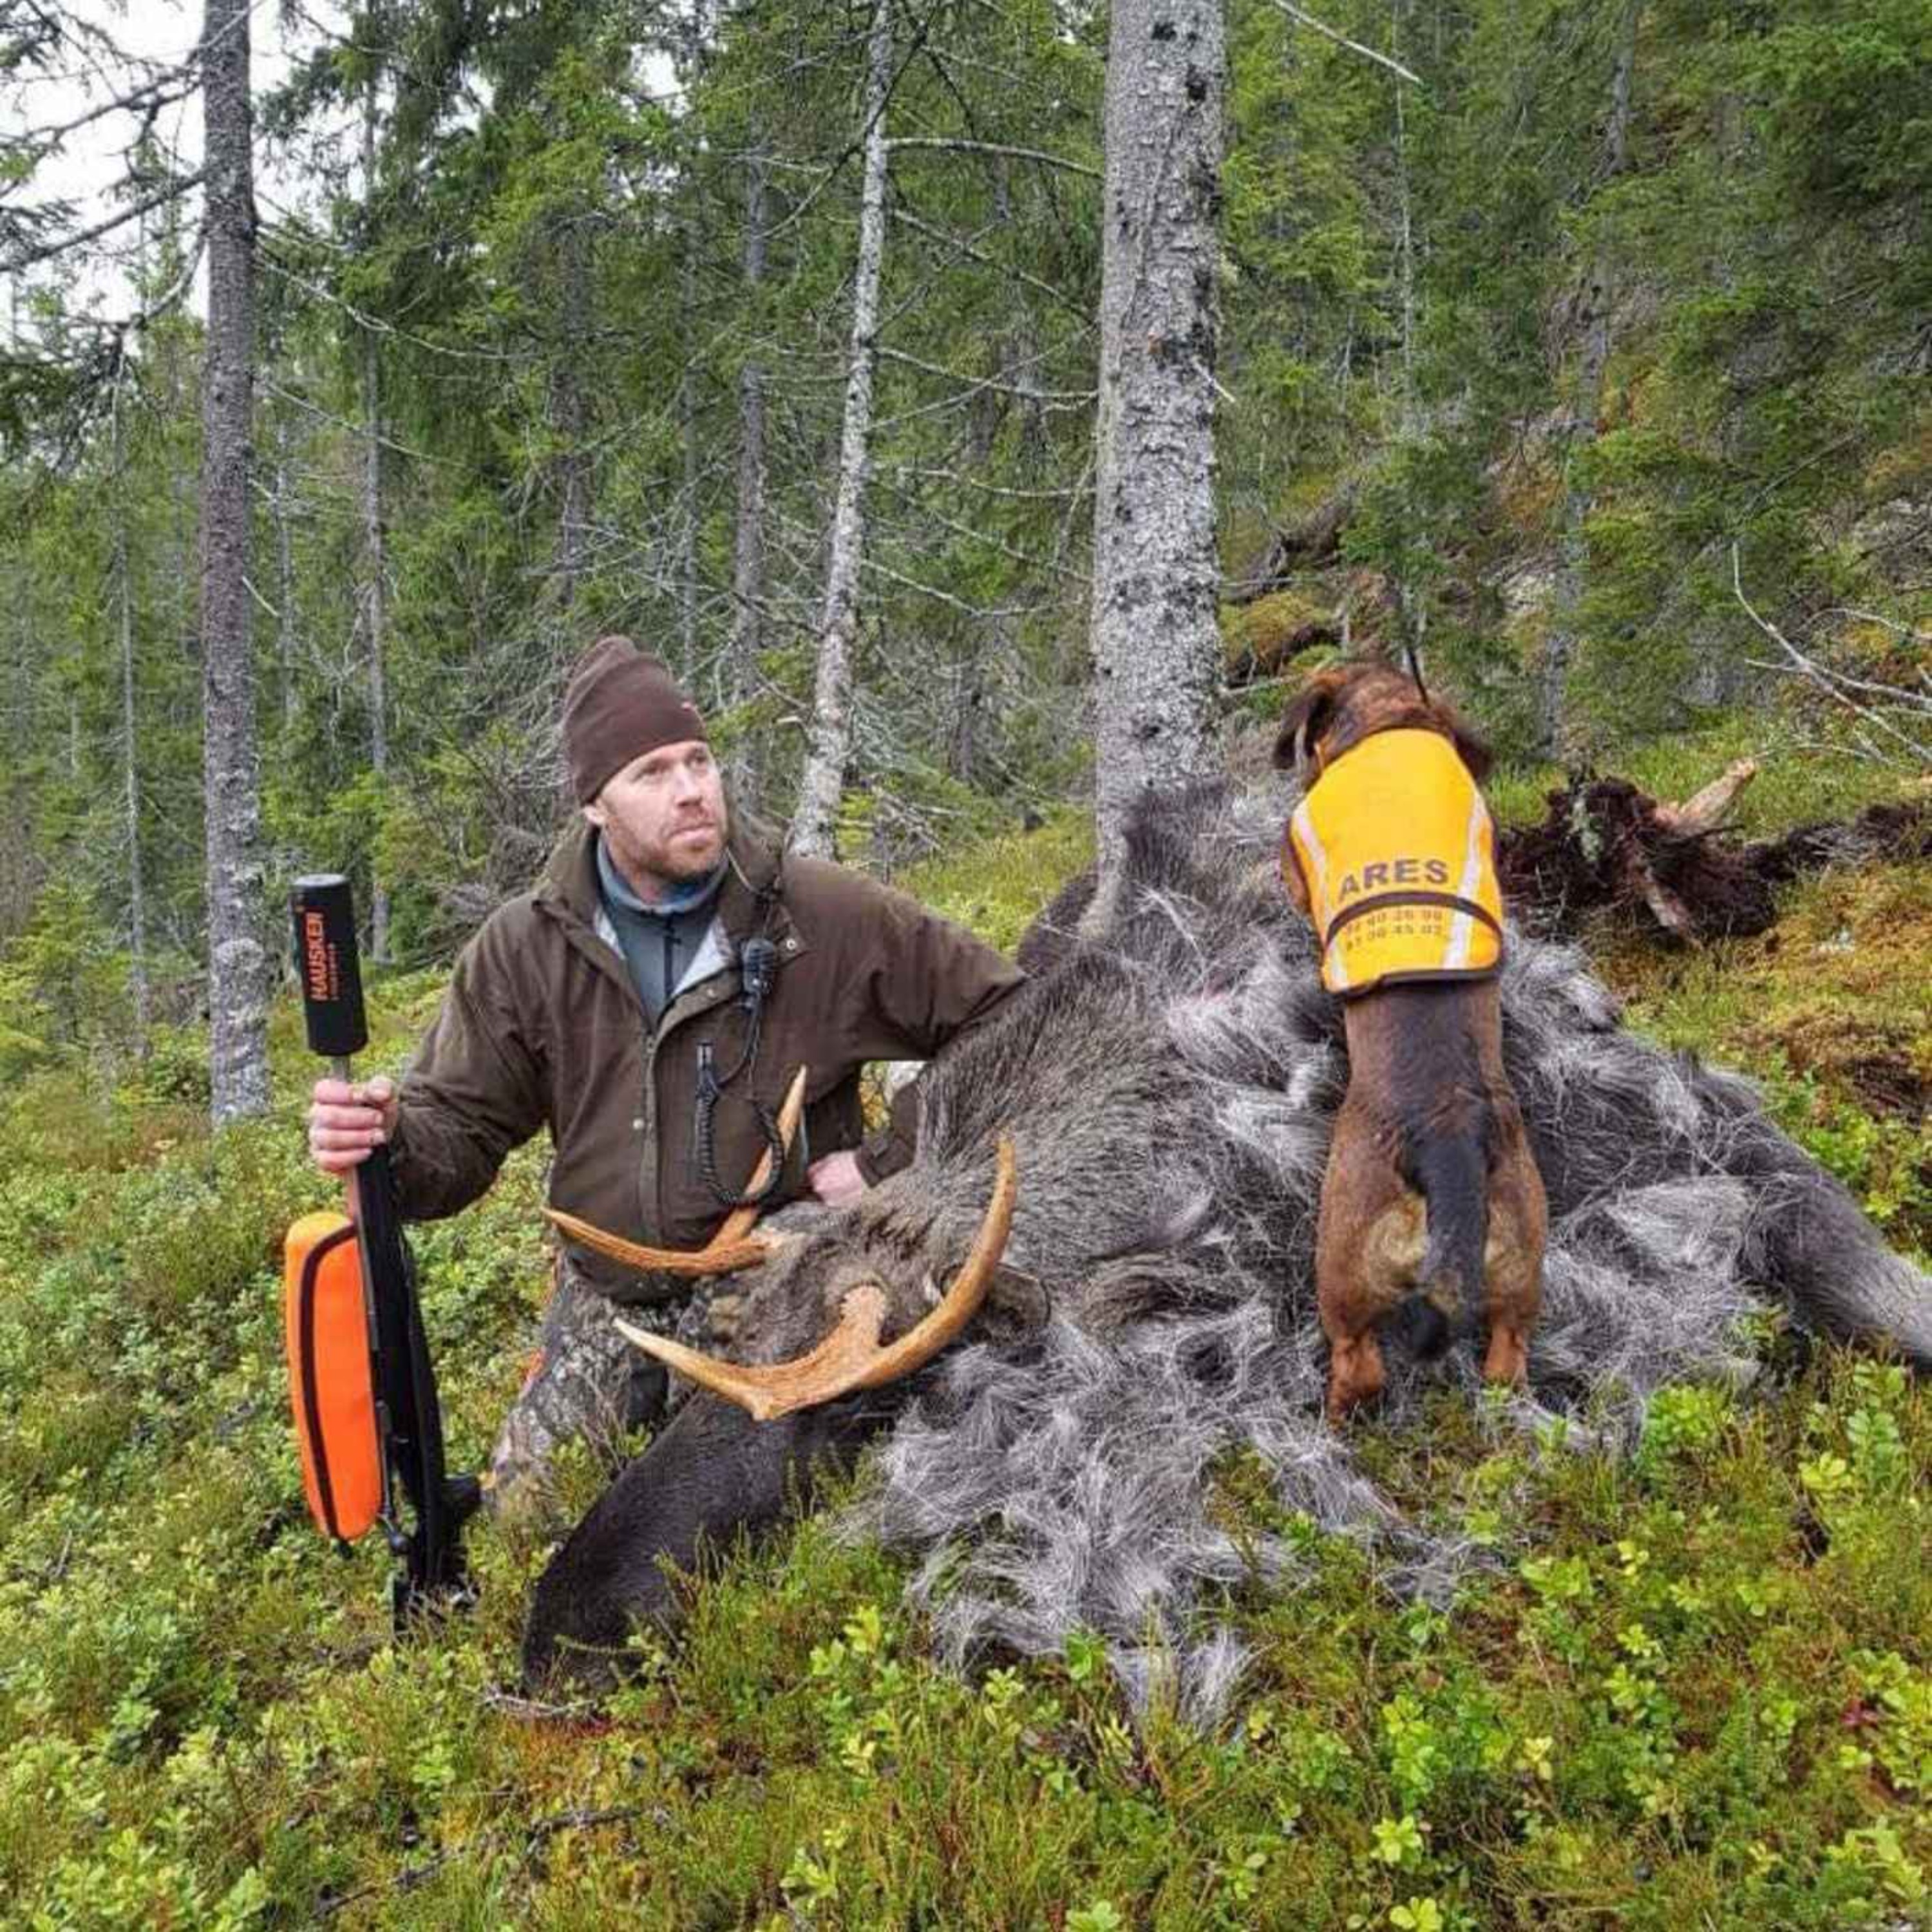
{"x":123,"y":592}
{"x":687,"y":429}
{"x":1559,"y":652}
{"x":285,"y":576}
{"x":237,"y":962}
{"x":568,"y":409}
{"x":1155,"y":642}
{"x":1411,"y":606}
{"x":824,"y":776}
{"x":687,"y":387}
{"x":747,"y":563}
{"x":748,"y":559}
{"x":374,"y":562}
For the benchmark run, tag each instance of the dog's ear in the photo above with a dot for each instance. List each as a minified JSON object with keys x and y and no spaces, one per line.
{"x":1475,"y":754}
{"x":1289,"y":869}
{"x":1308,"y":716}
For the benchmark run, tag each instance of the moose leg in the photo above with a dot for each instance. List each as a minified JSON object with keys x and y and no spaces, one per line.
{"x":712,"y":1472}
{"x":587,"y":1381}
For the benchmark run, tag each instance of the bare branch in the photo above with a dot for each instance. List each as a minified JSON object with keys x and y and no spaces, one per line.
{"x":270,"y":387}
{"x":1837,"y":685}
{"x":149,"y":98}
{"x":960,"y":245}
{"x":972,"y":385}
{"x":927,"y":514}
{"x":1890,"y":624}
{"x":46,"y":251}
{"x":1354,"y":46}
{"x":954,"y":476}
{"x":873,"y":567}
{"x":163,"y":303}
{"x":376,"y":324}
{"x":947,"y":142}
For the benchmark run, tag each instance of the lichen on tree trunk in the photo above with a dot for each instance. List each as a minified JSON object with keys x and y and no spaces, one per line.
{"x":1155,"y":642}
{"x":238,"y":960}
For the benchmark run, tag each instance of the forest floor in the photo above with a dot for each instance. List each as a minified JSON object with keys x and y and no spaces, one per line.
{"x":1694,"y":1689}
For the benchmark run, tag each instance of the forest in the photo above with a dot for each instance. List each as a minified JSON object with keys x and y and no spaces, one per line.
{"x":989,"y":409}
{"x":1546,"y":337}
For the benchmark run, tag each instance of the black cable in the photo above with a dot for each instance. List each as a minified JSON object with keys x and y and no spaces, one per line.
{"x":757,"y":968}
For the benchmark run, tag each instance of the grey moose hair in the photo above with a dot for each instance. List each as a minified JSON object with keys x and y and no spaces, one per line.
{"x":1169,"y":1080}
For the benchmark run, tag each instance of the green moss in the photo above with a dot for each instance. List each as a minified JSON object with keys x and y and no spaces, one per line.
{"x":999,"y":886}
{"x":1831,"y":1010}
{"x":1259,"y":638}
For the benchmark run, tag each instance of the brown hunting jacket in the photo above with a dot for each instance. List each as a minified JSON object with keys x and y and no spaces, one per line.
{"x":542,"y":1027}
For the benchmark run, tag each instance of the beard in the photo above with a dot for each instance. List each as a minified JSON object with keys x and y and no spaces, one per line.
{"x":670,"y":858}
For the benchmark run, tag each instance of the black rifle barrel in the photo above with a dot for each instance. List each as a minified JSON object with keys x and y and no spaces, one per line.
{"x":327,"y":961}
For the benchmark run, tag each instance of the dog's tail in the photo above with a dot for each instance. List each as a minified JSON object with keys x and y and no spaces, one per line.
{"x":1451,"y":1173}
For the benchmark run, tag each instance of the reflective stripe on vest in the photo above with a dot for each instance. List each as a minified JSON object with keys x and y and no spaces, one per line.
{"x":1395,"y":846}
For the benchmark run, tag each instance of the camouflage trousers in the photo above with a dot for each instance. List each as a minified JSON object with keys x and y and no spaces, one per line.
{"x":588,"y":1382}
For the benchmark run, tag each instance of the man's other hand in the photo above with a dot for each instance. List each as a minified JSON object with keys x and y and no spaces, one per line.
{"x":345,"y":1121}
{"x":836,"y":1179}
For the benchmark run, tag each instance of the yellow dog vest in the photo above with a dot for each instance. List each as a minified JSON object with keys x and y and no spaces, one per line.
{"x":1394,"y":844}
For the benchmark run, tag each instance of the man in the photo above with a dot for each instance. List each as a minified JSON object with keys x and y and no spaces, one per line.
{"x":648,"y":1002}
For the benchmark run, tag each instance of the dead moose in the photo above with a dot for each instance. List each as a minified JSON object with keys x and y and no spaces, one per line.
{"x":1125,"y":1294}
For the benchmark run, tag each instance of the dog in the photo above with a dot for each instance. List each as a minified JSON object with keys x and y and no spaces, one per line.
{"x":1431,"y":1202}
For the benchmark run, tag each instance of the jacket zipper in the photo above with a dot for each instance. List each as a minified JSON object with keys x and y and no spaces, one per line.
{"x":650,"y":1194}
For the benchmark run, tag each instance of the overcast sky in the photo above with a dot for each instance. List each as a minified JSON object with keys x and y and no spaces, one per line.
{"x":94,"y":158}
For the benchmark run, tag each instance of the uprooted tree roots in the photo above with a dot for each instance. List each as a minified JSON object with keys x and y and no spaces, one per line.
{"x":1604,"y":843}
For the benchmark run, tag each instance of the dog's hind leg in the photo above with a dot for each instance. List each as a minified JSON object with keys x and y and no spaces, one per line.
{"x":1507,"y":1359}
{"x":1355,"y":1372}
{"x":1369,"y":1246}
{"x":1513,"y":1262}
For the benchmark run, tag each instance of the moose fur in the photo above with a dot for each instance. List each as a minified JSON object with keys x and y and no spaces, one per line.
{"x":1171,"y":1086}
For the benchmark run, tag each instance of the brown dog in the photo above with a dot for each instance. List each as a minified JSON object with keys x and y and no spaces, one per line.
{"x":1432,"y":1196}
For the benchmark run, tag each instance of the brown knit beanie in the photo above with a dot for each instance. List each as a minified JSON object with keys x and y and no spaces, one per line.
{"x":620,"y":704}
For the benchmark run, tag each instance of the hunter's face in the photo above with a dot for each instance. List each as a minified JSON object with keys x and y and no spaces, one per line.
{"x":663,"y":818}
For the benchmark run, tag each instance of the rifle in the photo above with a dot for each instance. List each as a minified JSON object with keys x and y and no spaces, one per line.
{"x":400,"y":1392}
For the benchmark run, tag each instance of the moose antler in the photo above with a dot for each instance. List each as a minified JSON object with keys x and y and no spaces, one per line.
{"x":734,"y":1247}
{"x":851,"y":1358}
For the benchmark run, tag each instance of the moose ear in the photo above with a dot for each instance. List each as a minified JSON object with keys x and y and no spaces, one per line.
{"x":1306,"y":717}
{"x":1019,"y":1296}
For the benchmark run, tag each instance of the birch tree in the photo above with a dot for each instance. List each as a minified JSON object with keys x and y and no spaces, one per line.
{"x":824,"y":775}
{"x":1156,"y":643}
{"x":747,"y":632}
{"x":237,"y":962}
